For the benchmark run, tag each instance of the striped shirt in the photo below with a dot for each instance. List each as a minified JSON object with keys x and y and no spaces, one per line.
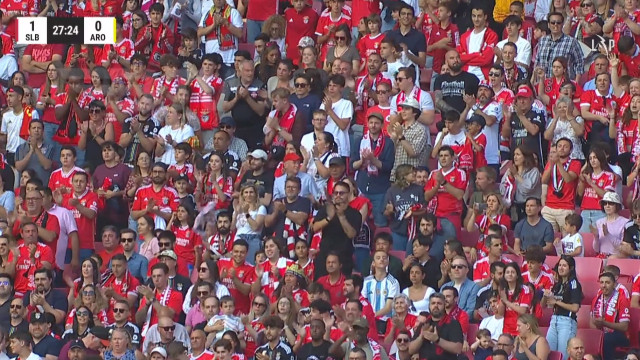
{"x":378,"y":292}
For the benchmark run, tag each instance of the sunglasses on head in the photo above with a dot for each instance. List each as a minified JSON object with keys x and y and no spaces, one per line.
{"x":255,"y":303}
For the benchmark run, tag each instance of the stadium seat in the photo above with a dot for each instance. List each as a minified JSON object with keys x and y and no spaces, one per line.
{"x":555,"y":355}
{"x":551,"y":261}
{"x":627,"y":192}
{"x":587,"y":242}
{"x":248,"y":47}
{"x":471,"y":334}
{"x":511,"y":238}
{"x":545,"y":320}
{"x":514,"y":258}
{"x":592,"y":339}
{"x":625,"y":213}
{"x":584,"y":316}
{"x":589,"y":291}
{"x":469,"y":238}
{"x":632,"y":333}
{"x":629,"y":268}
{"x":588,"y":269}
{"x":400,"y":254}
{"x":382,"y":229}
{"x":543,"y":330}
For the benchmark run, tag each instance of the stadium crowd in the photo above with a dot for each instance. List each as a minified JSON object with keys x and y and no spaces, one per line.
{"x":357,"y":180}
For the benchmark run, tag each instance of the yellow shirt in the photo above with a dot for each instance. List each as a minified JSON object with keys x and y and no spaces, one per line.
{"x":501,"y":10}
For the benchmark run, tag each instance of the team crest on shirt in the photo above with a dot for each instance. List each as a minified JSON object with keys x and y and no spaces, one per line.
{"x":156,"y":56}
{"x":188,"y":233}
{"x":122,"y":50}
{"x":37,"y":254}
{"x":24,"y":5}
{"x":305,"y":19}
{"x":165,"y":200}
{"x":278,"y":356}
{"x":83,"y":202}
{"x":241,"y":274}
{"x":452,"y":179}
{"x":547,"y":89}
{"x":179,"y":286}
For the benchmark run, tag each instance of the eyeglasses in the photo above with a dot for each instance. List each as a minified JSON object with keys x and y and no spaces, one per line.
{"x":168,"y":328}
{"x":136,"y":20}
{"x":164,"y":244}
{"x":203,"y":269}
{"x":341,"y":38}
{"x":457,"y":267}
{"x":137,"y":63}
{"x":127,"y":239}
{"x":18,"y":307}
{"x":398,"y":79}
{"x":34,"y":198}
{"x":402,"y":340}
{"x":4,"y":244}
{"x":203,"y":293}
{"x":495,"y":74}
{"x":584,"y":5}
{"x":609,"y":203}
{"x":381,"y":92}
{"x":340,"y":193}
{"x":255,"y":303}
{"x":557,"y":22}
{"x":300,"y":85}
{"x":82,"y":313}
{"x":119,"y":310}
{"x":95,"y":111}
{"x":89,"y":293}
{"x":4,"y":283}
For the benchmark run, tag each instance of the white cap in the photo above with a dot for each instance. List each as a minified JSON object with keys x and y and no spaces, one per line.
{"x":159,"y":350}
{"x":258,"y":154}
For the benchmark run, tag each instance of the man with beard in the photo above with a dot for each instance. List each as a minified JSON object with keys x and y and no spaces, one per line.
{"x":496,"y":270}
{"x":366,"y":88}
{"x":120,"y":285}
{"x":453,"y":310}
{"x":253,"y":172}
{"x":525,"y":125}
{"x":47,"y":226}
{"x":440,"y":337}
{"x":237,"y":275}
{"x":290,"y":212}
{"x":439,"y":230}
{"x":156,"y":199}
{"x":164,"y":333}
{"x":28,"y":262}
{"x":358,"y":338}
{"x":352,"y":291}
{"x":76,"y":350}
{"x":274,"y":348}
{"x":44,"y":344}
{"x":450,"y":87}
{"x":17,"y":322}
{"x":221,"y":143}
{"x":6,"y":292}
{"x":109,"y":181}
{"x":221,"y":243}
{"x":45,"y":299}
{"x":83,"y":204}
{"x":121,"y":313}
{"x":161,"y":300}
{"x":38,"y":153}
{"x":139,"y":131}
{"x":318,"y":347}
{"x":491,"y":112}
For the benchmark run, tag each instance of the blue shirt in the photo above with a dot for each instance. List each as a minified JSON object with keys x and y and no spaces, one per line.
{"x":308,"y":186}
{"x":377,"y":183}
{"x":466,"y":295}
{"x":138,"y":265}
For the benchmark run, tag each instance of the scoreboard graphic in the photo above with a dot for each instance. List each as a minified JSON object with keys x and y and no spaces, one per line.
{"x":70,"y":30}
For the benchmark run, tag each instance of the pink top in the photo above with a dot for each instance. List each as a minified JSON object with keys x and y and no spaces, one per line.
{"x":615,"y":231}
{"x":151,"y":249}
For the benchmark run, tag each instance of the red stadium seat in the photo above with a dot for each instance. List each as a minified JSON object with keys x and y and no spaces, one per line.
{"x":381,"y":230}
{"x":551,"y":261}
{"x":592,"y":339}
{"x":584,"y":316}
{"x":545,"y":320}
{"x":543,"y":330}
{"x":469,"y":238}
{"x":625,"y":213}
{"x":587,"y":242}
{"x":632,"y":332}
{"x":627,"y":193}
{"x":471,"y":334}
{"x":511,"y":238}
{"x":514,"y":258}
{"x":248,"y":47}
{"x":588,"y":269}
{"x":589,"y":291}
{"x":629,"y":268}
{"x":555,"y":355}
{"x":400,"y":254}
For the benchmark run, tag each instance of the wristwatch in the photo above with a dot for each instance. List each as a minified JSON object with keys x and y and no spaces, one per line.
{"x":402,"y":138}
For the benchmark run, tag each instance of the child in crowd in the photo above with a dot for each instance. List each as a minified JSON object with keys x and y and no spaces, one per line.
{"x":571,"y":243}
{"x":230,"y":321}
{"x":483,"y":346}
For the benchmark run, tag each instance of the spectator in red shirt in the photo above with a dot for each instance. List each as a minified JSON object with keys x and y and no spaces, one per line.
{"x":515,"y":296}
{"x":334,"y":280}
{"x":610,"y":313}
{"x":28,"y":262}
{"x":83,"y":203}
{"x":301,"y":21}
{"x":401,"y":320}
{"x":111,"y":242}
{"x":156,"y":199}
{"x":158,"y":299}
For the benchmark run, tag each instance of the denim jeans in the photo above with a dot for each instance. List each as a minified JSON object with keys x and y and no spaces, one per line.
{"x":133,"y":225}
{"x":589,"y":217}
{"x":80,"y":157}
{"x":254,"y":28}
{"x":611,"y":341}
{"x":561,"y":330}
{"x":399,"y":241}
{"x":255,"y":243}
{"x":361,"y":255}
{"x":377,"y":203}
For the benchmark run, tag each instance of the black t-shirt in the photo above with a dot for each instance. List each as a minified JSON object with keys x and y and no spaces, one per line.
{"x":5,"y":318}
{"x":264,"y":181}
{"x":334,"y":239}
{"x":520,"y":135}
{"x":310,"y":352}
{"x":432,"y":270}
{"x":569,"y":293}
{"x":150,"y":128}
{"x":454,"y":87}
{"x":632,"y":235}
{"x":448,"y":329}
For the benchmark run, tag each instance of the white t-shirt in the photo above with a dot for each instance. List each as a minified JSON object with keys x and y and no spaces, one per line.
{"x":8,"y":65}
{"x":213,"y":46}
{"x":475,"y":44}
{"x":178,"y":135}
{"x":492,"y":151}
{"x":524,"y":50}
{"x":493,"y":325}
{"x":344,"y":109}
{"x":572,"y":242}
{"x":11,"y":124}
{"x":242,"y":225}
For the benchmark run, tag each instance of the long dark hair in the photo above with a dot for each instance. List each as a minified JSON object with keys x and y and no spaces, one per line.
{"x":528,"y":162}
{"x":75,"y":325}
{"x":95,"y":277}
{"x":145,"y":21}
{"x":627,"y":115}
{"x":564,"y":286}
{"x":602,"y":158}
{"x":565,"y":64}
{"x":265,"y":69}
{"x":504,"y":285}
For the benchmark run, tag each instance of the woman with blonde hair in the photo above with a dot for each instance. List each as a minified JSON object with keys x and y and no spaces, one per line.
{"x":403,"y":200}
{"x":92,"y":298}
{"x":287,"y":309}
{"x":565,"y":125}
{"x":275,"y":26}
{"x":176,"y":129}
{"x":46,"y":103}
{"x":482,"y":218}
{"x":530,"y":344}
{"x":248,"y":218}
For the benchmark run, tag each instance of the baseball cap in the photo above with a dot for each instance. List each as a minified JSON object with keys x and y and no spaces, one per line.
{"x":159,"y":350}
{"x":376,"y":115}
{"x":524,"y":92}
{"x":258,"y":154}
{"x":477,"y":119}
{"x":169,"y":254}
{"x":37,"y":317}
{"x":101,"y":333}
{"x":338,"y":161}
{"x":306,"y":41}
{"x":181,"y":177}
{"x":228,"y":120}
{"x":77,"y":344}
{"x":292,"y":157}
{"x":411,"y":102}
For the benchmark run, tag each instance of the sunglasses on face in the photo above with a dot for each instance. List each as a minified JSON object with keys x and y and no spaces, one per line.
{"x":18,"y":307}
{"x":381,"y":92}
{"x":82,"y":313}
{"x":203,"y":293}
{"x":225,"y":127}
{"x":127,"y":239}
{"x":164,"y":244}
{"x":585,"y":5}
{"x":402,"y":340}
{"x":88,"y":293}
{"x":202,"y":269}
{"x":398,"y":79}
{"x":119,"y":310}
{"x":635,"y":216}
{"x":609,"y":203}
{"x":495,"y":74}
{"x":557,"y":22}
{"x":168,"y":328}
{"x":341,"y":38}
{"x":300,"y":85}
{"x":258,"y":304}
{"x":457,"y":267}
{"x":95,"y":111}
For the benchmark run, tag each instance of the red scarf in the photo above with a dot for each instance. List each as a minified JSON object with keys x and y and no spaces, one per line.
{"x":363,"y":94}
{"x":221,"y":33}
{"x":286,"y":121}
{"x":292,"y":232}
{"x":27,"y":111}
{"x":376,"y":148}
{"x":375,"y":348}
{"x":415,"y":94}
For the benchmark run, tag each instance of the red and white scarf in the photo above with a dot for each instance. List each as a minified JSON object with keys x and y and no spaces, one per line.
{"x":365,"y":144}
{"x":375,"y":348}
{"x":362,"y":94}
{"x":220,"y":32}
{"x":412,"y":227}
{"x":220,"y":246}
{"x":508,"y":190}
{"x":164,"y":299}
{"x":293,"y":232}
{"x":286,"y":121}
{"x":415,"y":94}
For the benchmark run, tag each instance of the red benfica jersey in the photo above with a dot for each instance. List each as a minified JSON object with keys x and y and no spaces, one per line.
{"x":166,"y":199}
{"x":250,"y":349}
{"x":627,"y":134}
{"x":620,"y":28}
{"x":427,"y":24}
{"x":482,"y":268}
{"x":597,"y":104}
{"x":145,"y":83}
{"x":552,"y":89}
{"x":109,"y":8}
{"x":260,"y":10}
{"x":614,"y":309}
{"x":125,"y":105}
{"x":185,"y":169}
{"x":369,"y":45}
{"x":25,"y":269}
{"x":544,"y":281}
{"x":124,"y":49}
{"x":635,"y":288}
{"x":186,"y":240}
{"x":171,"y":298}
{"x":52,"y":225}
{"x":309,"y":270}
{"x":438,"y":33}
{"x":299,"y":25}
{"x":18,"y":8}
{"x":409,"y":323}
{"x":363,"y":8}
{"x":301,"y":296}
{"x":479,"y":159}
{"x":567,"y":201}
{"x":82,"y":61}
{"x":125,"y":287}
{"x":206,"y":355}
{"x":86,"y":226}
{"x":367,"y":313}
{"x":323,"y":29}
{"x":605,"y":180}
{"x":632,"y":63}
{"x":171,"y":86}
{"x":203,"y":104}
{"x":245,"y":272}
{"x":334,"y":335}
{"x":269,"y":282}
{"x":446,"y":203}
{"x":386,"y":113}
{"x":337,"y":296}
{"x":8,"y":44}
{"x":60,"y":179}
{"x":511,"y":316}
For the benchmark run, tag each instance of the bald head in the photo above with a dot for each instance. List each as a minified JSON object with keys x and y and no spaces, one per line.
{"x":452,"y":59}
{"x":575,"y":349}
